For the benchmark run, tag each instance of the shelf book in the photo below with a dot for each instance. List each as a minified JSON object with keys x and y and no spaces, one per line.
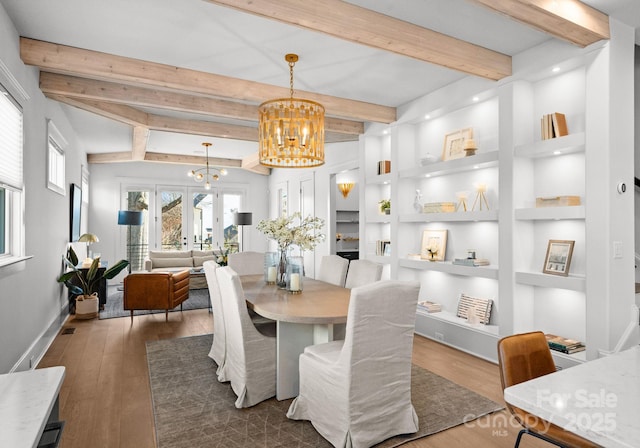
{"x":564,"y":345}
{"x":429,"y":307}
{"x":384,"y":166}
{"x":553,"y":125}
{"x":471,"y":261}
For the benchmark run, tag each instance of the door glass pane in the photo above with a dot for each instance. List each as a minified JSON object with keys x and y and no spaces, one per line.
{"x":171,"y":218}
{"x":203,"y":224}
{"x":231,"y":203}
{"x":3,"y":222}
{"x":138,"y":236}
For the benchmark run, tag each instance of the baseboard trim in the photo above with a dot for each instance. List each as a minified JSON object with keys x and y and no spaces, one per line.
{"x":32,"y":357}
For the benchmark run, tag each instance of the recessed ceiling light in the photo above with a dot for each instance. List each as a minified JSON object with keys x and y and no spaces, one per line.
{"x":427,"y":116}
{"x":427,"y":175}
{"x":555,"y":69}
{"x":475,"y":98}
{"x":557,"y":153}
{"x":475,"y":167}
{"x":386,"y":131}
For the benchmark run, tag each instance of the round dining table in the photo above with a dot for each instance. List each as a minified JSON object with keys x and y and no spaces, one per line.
{"x":313,"y":316}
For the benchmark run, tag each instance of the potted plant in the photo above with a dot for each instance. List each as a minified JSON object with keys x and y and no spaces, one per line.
{"x":385,"y":206}
{"x":87,"y":281}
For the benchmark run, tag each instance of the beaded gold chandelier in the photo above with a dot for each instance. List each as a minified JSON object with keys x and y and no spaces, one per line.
{"x":291,"y":130}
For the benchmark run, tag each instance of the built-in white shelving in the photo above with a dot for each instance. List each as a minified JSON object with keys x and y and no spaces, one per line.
{"x":515,"y":166}
{"x":571,"y":282}
{"x":550,"y":213}
{"x":469,"y":216}
{"x":450,"y":268}
{"x":478,"y":161}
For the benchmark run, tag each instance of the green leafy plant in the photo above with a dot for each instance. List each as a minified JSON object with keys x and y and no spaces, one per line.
{"x":89,"y":279}
{"x":385,"y":204}
{"x":223,"y":256}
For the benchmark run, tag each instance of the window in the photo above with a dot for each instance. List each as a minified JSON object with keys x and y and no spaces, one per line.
{"x":55,"y":160}
{"x":11,"y":184}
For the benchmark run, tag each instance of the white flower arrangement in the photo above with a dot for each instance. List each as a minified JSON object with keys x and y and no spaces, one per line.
{"x":285,"y":232}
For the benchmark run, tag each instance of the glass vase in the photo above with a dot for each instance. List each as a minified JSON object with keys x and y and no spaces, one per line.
{"x":271,"y":262}
{"x":295,"y":270}
{"x":281,"y":275}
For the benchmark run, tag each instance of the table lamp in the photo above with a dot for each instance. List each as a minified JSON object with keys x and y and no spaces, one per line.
{"x":88,"y":238}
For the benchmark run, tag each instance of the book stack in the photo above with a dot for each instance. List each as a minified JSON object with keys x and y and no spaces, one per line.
{"x":429,"y":307}
{"x":471,"y":261}
{"x":384,"y":166}
{"x":564,"y":345}
{"x":553,"y":125}
{"x":383,"y":247}
{"x":439,"y":207}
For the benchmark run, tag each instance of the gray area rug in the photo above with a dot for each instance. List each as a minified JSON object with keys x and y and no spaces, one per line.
{"x":198,"y":299}
{"x":192,"y":409}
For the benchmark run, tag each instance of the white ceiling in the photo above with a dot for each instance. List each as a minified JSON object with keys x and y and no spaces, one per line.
{"x":199,"y":35}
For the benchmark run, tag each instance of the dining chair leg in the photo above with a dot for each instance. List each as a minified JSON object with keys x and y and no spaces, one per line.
{"x":166,"y":315}
{"x":539,"y":436}
{"x":131,"y":315}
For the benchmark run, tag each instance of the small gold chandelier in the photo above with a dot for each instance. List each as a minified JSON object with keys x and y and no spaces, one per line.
{"x":291,"y":130}
{"x":204,"y":174}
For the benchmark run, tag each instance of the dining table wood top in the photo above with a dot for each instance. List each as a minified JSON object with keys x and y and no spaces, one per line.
{"x":318,"y":303}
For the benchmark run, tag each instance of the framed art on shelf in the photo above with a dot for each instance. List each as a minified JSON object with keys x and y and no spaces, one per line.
{"x":558,"y":258}
{"x":434,"y":245}
{"x":454,"y":143}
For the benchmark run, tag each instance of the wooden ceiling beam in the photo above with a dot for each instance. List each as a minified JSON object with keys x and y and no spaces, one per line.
{"x":84,"y":88}
{"x":139,"y":144}
{"x":110,"y":157}
{"x":570,"y":20}
{"x":208,"y":128}
{"x":252,"y":163}
{"x":364,"y":26}
{"x":118,"y":112}
{"x":191,"y":160}
{"x":96,"y":65}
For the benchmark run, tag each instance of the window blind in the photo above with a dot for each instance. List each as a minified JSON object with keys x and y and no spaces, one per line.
{"x":10,"y":141}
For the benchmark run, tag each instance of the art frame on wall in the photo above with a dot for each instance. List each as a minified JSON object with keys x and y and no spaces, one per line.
{"x":454,"y":144}
{"x":434,"y":245}
{"x":558,"y":258}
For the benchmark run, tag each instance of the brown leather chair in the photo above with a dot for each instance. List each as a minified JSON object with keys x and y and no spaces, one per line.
{"x":523,"y":357}
{"x":155,"y":291}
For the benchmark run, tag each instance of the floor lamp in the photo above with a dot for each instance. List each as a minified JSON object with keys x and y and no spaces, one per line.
{"x":129,"y":218}
{"x":242,"y":219}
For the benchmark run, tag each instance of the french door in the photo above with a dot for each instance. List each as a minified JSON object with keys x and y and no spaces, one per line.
{"x":187,"y":218}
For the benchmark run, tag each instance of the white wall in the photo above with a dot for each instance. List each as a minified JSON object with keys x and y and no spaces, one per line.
{"x":338,"y":157}
{"x":30,"y":298}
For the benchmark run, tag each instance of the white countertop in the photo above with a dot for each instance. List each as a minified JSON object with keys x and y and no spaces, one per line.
{"x":598,"y":400}
{"x":26,"y":400}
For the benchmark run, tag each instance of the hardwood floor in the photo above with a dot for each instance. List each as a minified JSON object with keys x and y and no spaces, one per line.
{"x":106,"y":400}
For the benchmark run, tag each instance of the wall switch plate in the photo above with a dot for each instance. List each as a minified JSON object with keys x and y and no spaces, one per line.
{"x":617,"y":249}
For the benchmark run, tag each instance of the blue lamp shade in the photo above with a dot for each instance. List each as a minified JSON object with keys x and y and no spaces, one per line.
{"x":129,"y":218}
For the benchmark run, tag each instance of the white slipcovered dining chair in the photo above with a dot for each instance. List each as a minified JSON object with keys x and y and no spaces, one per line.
{"x":218,"y":350}
{"x":357,"y":392}
{"x":247,"y":263}
{"x":333,"y":269}
{"x":250,"y":363}
{"x":362,"y":272}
